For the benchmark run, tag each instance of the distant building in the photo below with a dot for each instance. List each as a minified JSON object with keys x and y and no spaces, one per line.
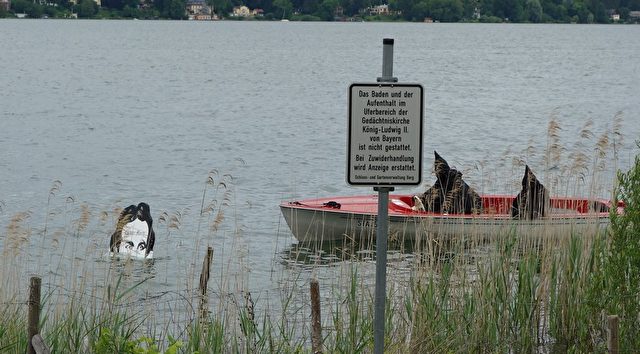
{"x":75,"y":2}
{"x":613,"y":15}
{"x":476,"y":13}
{"x":241,"y":11}
{"x":5,"y":5}
{"x":198,"y":10}
{"x":382,"y":10}
{"x":634,"y":15}
{"x":195,"y":6}
{"x":202,"y":17}
{"x":379,"y":10}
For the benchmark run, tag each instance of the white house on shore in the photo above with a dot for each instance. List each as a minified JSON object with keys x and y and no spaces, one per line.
{"x":379,"y":10}
{"x":243,"y":11}
{"x":198,"y":10}
{"x":382,"y":10}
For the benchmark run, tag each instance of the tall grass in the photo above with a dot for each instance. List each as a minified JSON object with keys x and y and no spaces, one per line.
{"x":616,"y":285}
{"x":503,"y":295}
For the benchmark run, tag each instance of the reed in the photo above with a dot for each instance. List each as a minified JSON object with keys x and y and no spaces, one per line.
{"x":352,"y":320}
{"x":504,"y":294}
{"x":617,"y":279}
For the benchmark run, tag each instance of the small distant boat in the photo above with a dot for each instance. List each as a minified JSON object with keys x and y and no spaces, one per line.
{"x":354,"y":218}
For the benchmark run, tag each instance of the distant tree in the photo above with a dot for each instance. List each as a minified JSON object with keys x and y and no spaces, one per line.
{"x":18,"y":6}
{"x":582,"y":13}
{"x":555,"y":10}
{"x":421,"y":10}
{"x":35,"y":10}
{"x":508,"y":9}
{"x":611,"y":4}
{"x":485,"y":7}
{"x":284,"y":7}
{"x":131,"y":12}
{"x":32,"y":9}
{"x":62,"y":4}
{"x":599,"y":12}
{"x":113,"y":4}
{"x":445,"y":10}
{"x":309,"y":6}
{"x":173,"y":9}
{"x":220,"y":7}
{"x":469,"y":7}
{"x":405,"y":7}
{"x":327,"y":9}
{"x":212,"y":6}
{"x":87,"y":8}
{"x":533,"y":11}
{"x":624,"y":12}
{"x":51,"y":11}
{"x":353,"y":7}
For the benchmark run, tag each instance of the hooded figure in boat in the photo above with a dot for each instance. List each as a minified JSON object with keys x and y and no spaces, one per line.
{"x":134,"y":235}
{"x":533,"y":200}
{"x":450,"y":194}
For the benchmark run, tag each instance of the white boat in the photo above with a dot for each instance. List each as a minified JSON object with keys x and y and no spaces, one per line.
{"x":354,"y":218}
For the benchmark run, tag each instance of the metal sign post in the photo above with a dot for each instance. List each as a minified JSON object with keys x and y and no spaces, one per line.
{"x":384,"y":150}
{"x":383,"y":228}
{"x":381,"y":268}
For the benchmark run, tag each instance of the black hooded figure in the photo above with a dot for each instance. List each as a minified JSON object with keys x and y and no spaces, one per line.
{"x":533,"y":200}
{"x":450,"y":193}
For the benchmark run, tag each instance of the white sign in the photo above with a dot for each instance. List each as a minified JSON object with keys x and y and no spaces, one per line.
{"x":385,"y":134}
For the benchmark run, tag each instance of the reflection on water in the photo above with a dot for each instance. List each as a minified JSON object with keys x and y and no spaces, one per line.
{"x":405,"y":254}
{"x":134,"y":269}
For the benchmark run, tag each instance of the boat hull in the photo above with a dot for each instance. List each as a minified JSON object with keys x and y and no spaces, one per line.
{"x":354,"y":218}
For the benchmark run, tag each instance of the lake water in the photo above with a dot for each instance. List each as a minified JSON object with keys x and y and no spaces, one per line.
{"x":97,"y":115}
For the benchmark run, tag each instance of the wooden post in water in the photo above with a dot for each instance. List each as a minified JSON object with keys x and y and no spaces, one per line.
{"x":204,"y":281}
{"x":34,"y":312}
{"x":316,"y":326}
{"x":39,"y":345}
{"x":204,"y":275}
{"x":612,"y":338}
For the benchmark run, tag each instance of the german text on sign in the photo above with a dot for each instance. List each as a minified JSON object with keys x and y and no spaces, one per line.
{"x":385,"y":134}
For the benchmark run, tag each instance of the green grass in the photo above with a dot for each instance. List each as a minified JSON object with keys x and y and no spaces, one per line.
{"x":510,"y":299}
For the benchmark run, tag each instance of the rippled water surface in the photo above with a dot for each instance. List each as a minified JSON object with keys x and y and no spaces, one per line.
{"x":125,"y":111}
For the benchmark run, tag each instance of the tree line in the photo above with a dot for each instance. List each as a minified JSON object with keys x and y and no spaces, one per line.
{"x":518,"y":11}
